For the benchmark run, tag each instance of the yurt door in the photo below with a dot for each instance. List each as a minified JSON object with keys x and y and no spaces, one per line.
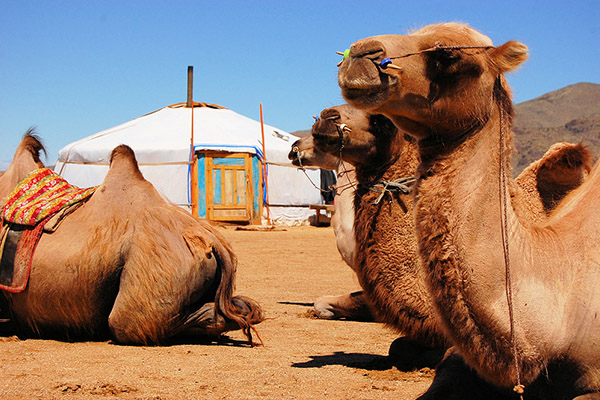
{"x":229,"y":189}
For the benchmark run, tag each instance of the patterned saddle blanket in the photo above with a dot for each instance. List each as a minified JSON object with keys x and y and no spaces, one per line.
{"x":34,"y":202}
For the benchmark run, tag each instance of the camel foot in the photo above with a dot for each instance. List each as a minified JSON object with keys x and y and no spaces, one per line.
{"x":348,"y":306}
{"x":408,"y":355}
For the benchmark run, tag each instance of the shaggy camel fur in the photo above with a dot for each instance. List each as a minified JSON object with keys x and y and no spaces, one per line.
{"x":353,"y":305}
{"x":451,"y":95}
{"x":128,"y":264}
{"x":386,"y":249}
{"x":387,"y":259}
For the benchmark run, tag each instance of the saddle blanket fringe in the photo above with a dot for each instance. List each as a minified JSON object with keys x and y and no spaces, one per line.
{"x":39,"y":195}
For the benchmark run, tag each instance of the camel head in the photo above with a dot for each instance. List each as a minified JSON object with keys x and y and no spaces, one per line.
{"x":438,"y":80}
{"x":357,"y":136}
{"x":304,"y":153}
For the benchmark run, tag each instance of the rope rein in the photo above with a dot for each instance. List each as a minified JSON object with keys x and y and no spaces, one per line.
{"x":341,"y":128}
{"x":400,"y":185}
{"x":518,"y":388}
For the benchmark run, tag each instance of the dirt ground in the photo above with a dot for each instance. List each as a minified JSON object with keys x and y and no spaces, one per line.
{"x":302,"y":357}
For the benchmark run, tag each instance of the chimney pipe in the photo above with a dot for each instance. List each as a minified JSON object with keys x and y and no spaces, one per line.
{"x":190,"y":86}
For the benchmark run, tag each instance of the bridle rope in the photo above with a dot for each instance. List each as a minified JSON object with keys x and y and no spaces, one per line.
{"x":387,"y":62}
{"x":518,"y":388}
{"x":341,"y":128}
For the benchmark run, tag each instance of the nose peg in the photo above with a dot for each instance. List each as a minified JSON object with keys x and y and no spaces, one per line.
{"x":387,"y":63}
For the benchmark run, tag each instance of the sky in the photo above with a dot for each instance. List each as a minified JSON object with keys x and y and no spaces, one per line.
{"x":73,"y":68}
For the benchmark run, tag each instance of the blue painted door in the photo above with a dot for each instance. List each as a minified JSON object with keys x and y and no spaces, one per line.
{"x":230,"y":187}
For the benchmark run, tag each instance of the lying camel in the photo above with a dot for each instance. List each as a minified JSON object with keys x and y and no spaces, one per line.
{"x":386,"y":252}
{"x":353,"y":305}
{"x":127,"y":264}
{"x":518,"y":301}
{"x":387,"y":260}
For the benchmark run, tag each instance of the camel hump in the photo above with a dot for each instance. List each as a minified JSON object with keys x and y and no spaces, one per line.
{"x":563,"y":168}
{"x":31,"y":144}
{"x":565,"y":164}
{"x":122,"y":160}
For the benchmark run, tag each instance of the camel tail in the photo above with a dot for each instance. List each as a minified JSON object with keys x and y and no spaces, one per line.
{"x":32,"y":144}
{"x":243,"y":310}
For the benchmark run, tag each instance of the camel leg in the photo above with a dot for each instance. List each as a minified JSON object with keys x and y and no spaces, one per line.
{"x":455,"y":380}
{"x":407,"y":354}
{"x":350,"y":306}
{"x":203,"y":321}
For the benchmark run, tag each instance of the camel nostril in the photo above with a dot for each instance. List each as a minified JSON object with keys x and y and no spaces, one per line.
{"x":330,"y":115}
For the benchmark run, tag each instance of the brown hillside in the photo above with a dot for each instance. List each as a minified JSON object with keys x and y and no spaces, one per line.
{"x":560,"y":106}
{"x":570,"y":114}
{"x":302,"y":133}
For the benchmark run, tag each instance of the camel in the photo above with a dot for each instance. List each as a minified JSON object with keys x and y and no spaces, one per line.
{"x":386,"y":245}
{"x":518,"y":300}
{"x":350,"y":306}
{"x":126,"y":265}
{"x":386,"y":248}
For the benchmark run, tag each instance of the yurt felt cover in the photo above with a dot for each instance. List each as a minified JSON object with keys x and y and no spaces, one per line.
{"x":161,"y":142}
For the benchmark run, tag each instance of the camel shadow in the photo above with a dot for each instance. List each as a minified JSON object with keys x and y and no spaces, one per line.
{"x":371,"y":362}
{"x":296,"y":303}
{"x":8,"y":330}
{"x":222,"y":340}
{"x":405,"y":355}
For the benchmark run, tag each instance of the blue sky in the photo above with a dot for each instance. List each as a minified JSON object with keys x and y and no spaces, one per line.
{"x":73,"y":68}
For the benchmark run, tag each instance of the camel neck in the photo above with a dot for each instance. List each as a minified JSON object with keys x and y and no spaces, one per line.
{"x":458,"y":222}
{"x":386,"y":247}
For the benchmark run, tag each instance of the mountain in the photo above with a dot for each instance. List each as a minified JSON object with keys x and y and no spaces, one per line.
{"x":570,"y":114}
{"x":302,"y":133}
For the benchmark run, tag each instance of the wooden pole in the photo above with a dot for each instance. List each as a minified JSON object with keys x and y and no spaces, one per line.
{"x":193,"y":158}
{"x":264,"y":163}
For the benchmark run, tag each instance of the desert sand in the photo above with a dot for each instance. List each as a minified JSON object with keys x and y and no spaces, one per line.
{"x":284,"y":269}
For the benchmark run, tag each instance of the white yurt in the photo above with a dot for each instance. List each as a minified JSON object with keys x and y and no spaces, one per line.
{"x":222,"y":182}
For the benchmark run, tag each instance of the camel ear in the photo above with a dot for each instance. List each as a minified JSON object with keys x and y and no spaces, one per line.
{"x":509,"y":56}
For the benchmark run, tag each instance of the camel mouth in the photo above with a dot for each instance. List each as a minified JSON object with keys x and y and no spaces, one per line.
{"x":325,"y":131}
{"x":363,"y":84}
{"x":366,"y":98}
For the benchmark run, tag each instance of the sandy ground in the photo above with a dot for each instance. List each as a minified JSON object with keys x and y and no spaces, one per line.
{"x":302,"y":357}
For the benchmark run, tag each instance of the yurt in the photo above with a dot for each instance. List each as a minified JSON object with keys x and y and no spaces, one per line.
{"x":219,"y":178}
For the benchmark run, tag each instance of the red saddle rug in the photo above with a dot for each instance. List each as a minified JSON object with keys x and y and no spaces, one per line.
{"x":30,"y":205}
{"x":39,"y":195}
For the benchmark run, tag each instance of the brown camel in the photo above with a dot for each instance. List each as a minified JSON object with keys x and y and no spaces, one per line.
{"x":387,"y":259}
{"x":447,"y":89}
{"x":350,"y":306}
{"x":126,"y":264}
{"x":386,"y":248}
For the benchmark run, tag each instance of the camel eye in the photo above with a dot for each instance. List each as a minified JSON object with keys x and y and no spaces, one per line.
{"x":446,"y":57}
